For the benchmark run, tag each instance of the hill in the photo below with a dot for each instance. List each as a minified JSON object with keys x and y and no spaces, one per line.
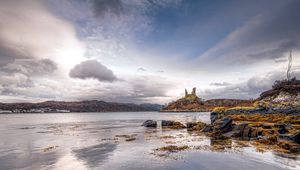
{"x":192,"y":103}
{"x":80,"y":106}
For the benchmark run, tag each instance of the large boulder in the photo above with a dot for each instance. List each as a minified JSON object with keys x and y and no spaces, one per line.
{"x":239,"y":130}
{"x":197,"y":126}
{"x":213,"y":117}
{"x":222,"y":125}
{"x":281,"y":128}
{"x":172,"y":124}
{"x":150,"y":123}
{"x":245,"y":131}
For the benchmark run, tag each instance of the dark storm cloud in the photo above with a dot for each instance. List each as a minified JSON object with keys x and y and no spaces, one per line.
{"x":112,"y":6}
{"x":92,"y":69}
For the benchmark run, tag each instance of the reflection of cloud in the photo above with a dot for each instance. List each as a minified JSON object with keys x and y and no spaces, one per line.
{"x":24,"y":161}
{"x":94,"y":155}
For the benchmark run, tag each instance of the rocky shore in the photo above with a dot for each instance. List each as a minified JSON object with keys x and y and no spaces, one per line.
{"x":272,"y":121}
{"x":276,"y":132}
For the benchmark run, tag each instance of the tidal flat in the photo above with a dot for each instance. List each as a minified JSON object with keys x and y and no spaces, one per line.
{"x":118,"y":141}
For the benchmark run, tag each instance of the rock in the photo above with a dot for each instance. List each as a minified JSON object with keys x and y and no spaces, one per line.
{"x":266,"y":126}
{"x":223,"y":125}
{"x":172,"y":124}
{"x":206,"y":128}
{"x":213,"y":117}
{"x":195,"y":125}
{"x":150,"y":123}
{"x":166,"y":123}
{"x":190,"y":125}
{"x":255,"y":133}
{"x":281,"y":128}
{"x":292,"y":137}
{"x":239,"y":129}
{"x":246,"y":132}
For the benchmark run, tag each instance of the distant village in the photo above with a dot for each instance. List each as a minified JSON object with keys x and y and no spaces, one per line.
{"x":41,"y":110}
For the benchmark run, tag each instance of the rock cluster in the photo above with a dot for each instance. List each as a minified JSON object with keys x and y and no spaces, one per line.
{"x":150,"y":123}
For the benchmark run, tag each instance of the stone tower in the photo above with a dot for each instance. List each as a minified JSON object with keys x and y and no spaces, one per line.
{"x":194,"y":91}
{"x":186,"y":93}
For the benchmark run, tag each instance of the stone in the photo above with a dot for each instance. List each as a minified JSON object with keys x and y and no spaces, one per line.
{"x":223,"y":125}
{"x":246,"y":132}
{"x":254,"y":133}
{"x":150,"y":123}
{"x":172,"y":124}
{"x":281,"y":128}
{"x":194,"y":91}
{"x":195,"y":125}
{"x":213,"y":117}
{"x":207,"y":128}
{"x":166,"y":123}
{"x":190,"y":125}
{"x":266,"y":126}
{"x":292,"y":137}
{"x":239,"y":130}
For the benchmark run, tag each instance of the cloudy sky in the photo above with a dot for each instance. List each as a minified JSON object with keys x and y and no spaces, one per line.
{"x":144,"y":50}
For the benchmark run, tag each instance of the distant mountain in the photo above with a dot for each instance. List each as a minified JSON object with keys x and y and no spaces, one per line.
{"x":80,"y":106}
{"x":192,"y":103}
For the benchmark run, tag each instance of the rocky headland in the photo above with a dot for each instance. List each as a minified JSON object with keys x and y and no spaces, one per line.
{"x":192,"y":103}
{"x":271,"y":122}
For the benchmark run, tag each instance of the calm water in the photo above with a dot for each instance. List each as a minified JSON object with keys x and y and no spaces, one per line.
{"x":88,"y":141}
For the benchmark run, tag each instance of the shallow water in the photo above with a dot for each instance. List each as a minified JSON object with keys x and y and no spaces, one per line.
{"x":97,"y":141}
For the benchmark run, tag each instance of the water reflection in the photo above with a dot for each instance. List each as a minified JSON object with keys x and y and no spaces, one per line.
{"x":94,"y":141}
{"x":94,"y":155}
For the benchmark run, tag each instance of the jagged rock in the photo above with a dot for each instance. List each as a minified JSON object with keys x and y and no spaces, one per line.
{"x":292,"y":137}
{"x":255,"y":133}
{"x":245,"y":131}
{"x":223,"y":125}
{"x":206,"y":128}
{"x":281,"y":128}
{"x":150,"y":123}
{"x":195,"y":125}
{"x":239,"y":130}
{"x":172,"y":124}
{"x":214,"y":116}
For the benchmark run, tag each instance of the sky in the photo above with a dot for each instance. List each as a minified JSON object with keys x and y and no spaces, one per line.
{"x":144,"y":51}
